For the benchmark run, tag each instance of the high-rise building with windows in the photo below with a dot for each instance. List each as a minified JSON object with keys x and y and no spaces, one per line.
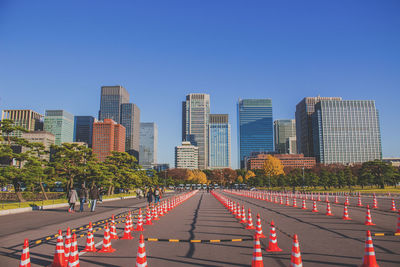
{"x":255,"y":127}
{"x":304,"y":130}
{"x":110,"y":102}
{"x":219,"y":141}
{"x":283,"y":130}
{"x":195,"y":114}
{"x":130,"y":119}
{"x":346,"y":131}
{"x":61,"y":124}
{"x":25,"y":118}
{"x":83,"y":129}
{"x":108,"y":136}
{"x":187,"y":156}
{"x":46,"y":138}
{"x":148,"y":144}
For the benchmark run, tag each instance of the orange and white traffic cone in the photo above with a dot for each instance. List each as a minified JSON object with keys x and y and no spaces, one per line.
{"x":90,"y":243}
{"x":303,"y":205}
{"x":243,"y":218}
{"x":336,"y":200}
{"x":259,"y":231}
{"x":141,"y":260}
{"x":139,"y":224}
{"x":113,"y":231}
{"x":294,"y":203}
{"x":369,"y":259}
{"x":257,"y":260}
{"x":375,"y":203}
{"x":287,"y":201}
{"x":238,"y":212}
{"x":67,"y":246}
{"x":73,"y":260}
{"x":398,"y":223}
{"x":107,"y":248}
{"x":25,"y":257}
{"x":314,"y":208}
{"x":368,"y":219}
{"x":127,"y":230}
{"x":393,"y":206}
{"x":90,"y":227}
{"x":148,"y":217}
{"x":328,"y":209}
{"x":155,"y":214}
{"x":295,"y":260}
{"x":273,"y":241}
{"x":359,"y":204}
{"x":347,"y":201}
{"x":249,"y":220}
{"x":345,"y":214}
{"x":160,"y":210}
{"x":59,"y":256}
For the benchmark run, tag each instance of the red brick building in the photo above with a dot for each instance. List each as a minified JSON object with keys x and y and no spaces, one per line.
{"x":107,"y":136}
{"x":288,"y":160}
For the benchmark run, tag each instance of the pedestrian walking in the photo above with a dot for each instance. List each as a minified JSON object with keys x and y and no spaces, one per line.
{"x":101,"y":193}
{"x":94,"y":196}
{"x":157,"y":194}
{"x":72,"y":199}
{"x":149,"y":196}
{"x":83,"y":196}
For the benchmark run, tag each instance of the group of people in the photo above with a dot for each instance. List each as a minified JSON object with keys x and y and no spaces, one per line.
{"x":84,"y":195}
{"x":155,"y":193}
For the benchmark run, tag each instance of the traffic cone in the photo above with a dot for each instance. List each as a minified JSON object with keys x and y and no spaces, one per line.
{"x":90,"y":243}
{"x":249,"y":220}
{"x":90,"y":227}
{"x":336,"y":200}
{"x":273,"y":241}
{"x":113,"y":231}
{"x":295,"y":260}
{"x":393,"y":206}
{"x":259,"y":231}
{"x":359,"y":204}
{"x":345,"y":214}
{"x":294,"y":203}
{"x":314,"y":208}
{"x":59,"y":256}
{"x":139,"y":224}
{"x":73,"y":260}
{"x":243,"y":218}
{"x":160,"y":210}
{"x":67,"y":246}
{"x":127,"y":230}
{"x":238,"y":212}
{"x":107,"y":248}
{"x":398,"y":223}
{"x":347,"y":201}
{"x":148,"y":217}
{"x":287,"y":201}
{"x":303,"y":205}
{"x":375,"y":203}
{"x":369,"y":259}
{"x":368,"y":220}
{"x":155,"y":214}
{"x":25,"y":257}
{"x":328,"y":209}
{"x":141,"y":260}
{"x":257,"y":253}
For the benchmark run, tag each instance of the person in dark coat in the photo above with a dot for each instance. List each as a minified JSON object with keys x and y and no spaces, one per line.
{"x":83,"y":196}
{"x":94,"y":196}
{"x":149,"y":195}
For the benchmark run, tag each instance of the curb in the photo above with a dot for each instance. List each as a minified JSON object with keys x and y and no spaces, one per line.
{"x":27,"y":209}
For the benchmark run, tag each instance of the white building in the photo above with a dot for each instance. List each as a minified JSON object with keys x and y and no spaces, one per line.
{"x":187,"y":156}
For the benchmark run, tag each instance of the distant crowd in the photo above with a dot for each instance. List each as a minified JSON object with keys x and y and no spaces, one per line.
{"x":85,"y":195}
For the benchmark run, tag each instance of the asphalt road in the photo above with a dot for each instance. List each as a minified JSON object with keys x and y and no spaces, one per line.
{"x":324,"y":240}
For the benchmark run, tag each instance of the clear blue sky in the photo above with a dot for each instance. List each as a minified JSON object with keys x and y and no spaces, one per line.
{"x":57,"y":55}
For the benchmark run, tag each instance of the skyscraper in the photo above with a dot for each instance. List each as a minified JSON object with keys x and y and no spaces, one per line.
{"x":83,"y":129}
{"x":195,"y":113}
{"x":346,"y":131}
{"x":61,"y":124}
{"x":304,"y":131}
{"x":219,"y":136}
{"x":187,"y":156}
{"x":255,"y":127}
{"x":110,"y":102}
{"x":108,"y":136}
{"x":283,"y":130}
{"x":130,"y":119}
{"x":26,"y":118}
{"x":148,"y":144}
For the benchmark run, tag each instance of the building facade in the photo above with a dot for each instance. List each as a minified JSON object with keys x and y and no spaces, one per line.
{"x":291,"y":144}
{"x":25,"y":118}
{"x":130,"y":119}
{"x":187,"y":156}
{"x":219,"y":140}
{"x":83,"y":129}
{"x":61,"y":124}
{"x":148,"y":144}
{"x":108,"y":136}
{"x":283,"y":130}
{"x":287,"y":160}
{"x":346,"y":131}
{"x":112,"y":97}
{"x":304,"y":129}
{"x":195,"y":114}
{"x":255,"y":127}
{"x":46,"y":138}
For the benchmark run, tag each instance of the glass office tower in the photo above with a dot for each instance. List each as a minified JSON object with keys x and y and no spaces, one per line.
{"x":130,"y":119}
{"x":284,"y":130}
{"x":346,"y":131}
{"x":255,"y":127}
{"x":61,"y":124}
{"x":110,"y":102}
{"x":83,"y":129}
{"x":219,"y":136}
{"x":148,"y":144}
